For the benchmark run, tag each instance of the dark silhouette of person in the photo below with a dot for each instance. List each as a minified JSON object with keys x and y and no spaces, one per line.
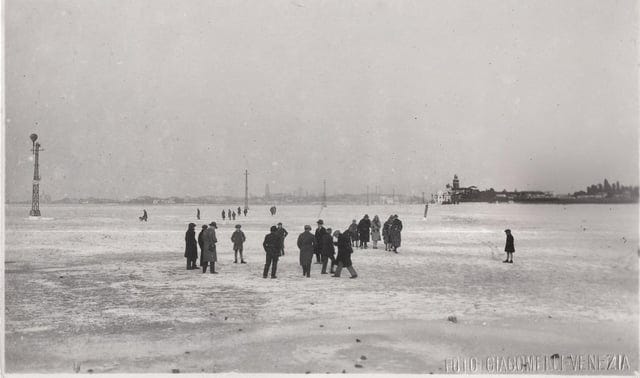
{"x":509,"y":247}
{"x":282,"y":233}
{"x":191,"y":246}
{"x":364,"y":229}
{"x":328,"y":251}
{"x":272,"y":210}
{"x":223,"y":215}
{"x":272,"y":248}
{"x":210,"y":255}
{"x":229,"y":214}
{"x":238,"y":238}
{"x":144,"y":216}
{"x":246,"y":211}
{"x":239,"y":212}
{"x":319,"y":232}
{"x":306,"y":243}
{"x":344,"y":253}
{"x":395,"y":233}
{"x":233,"y":215}
{"x":198,"y":214}
{"x":201,"y":242}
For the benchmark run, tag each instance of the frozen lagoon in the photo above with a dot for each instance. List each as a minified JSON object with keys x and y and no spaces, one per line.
{"x":91,"y":285}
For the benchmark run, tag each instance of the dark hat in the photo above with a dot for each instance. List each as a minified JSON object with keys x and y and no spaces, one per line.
{"x":238,"y":226}
{"x":204,"y":226}
{"x":191,"y":225}
{"x":329,"y":229}
{"x":213,"y":224}
{"x":320,"y":221}
{"x":336,"y":233}
{"x":274,"y":228}
{"x":507,"y":230}
{"x":279,"y":223}
{"x":307,"y":227}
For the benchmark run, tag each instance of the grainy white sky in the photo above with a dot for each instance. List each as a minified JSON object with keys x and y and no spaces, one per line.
{"x":164,"y":97}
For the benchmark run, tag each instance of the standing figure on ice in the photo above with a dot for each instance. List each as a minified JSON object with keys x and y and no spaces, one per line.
{"x":272,"y":210}
{"x":306,"y":244}
{"x":233,"y":215}
{"x":394,"y":233}
{"x":229,"y":214}
{"x":344,"y":254}
{"x":509,"y":247}
{"x":364,"y":227}
{"x":385,"y":233}
{"x":271,"y":247}
{"x":375,"y":231}
{"x":353,"y":233}
{"x":239,"y":212}
{"x":328,"y":251}
{"x":201,"y":241}
{"x":319,"y":232}
{"x":282,"y":234}
{"x":144,"y":216}
{"x":209,"y":256}
{"x":191,"y":246}
{"x":223,"y":214}
{"x":246,"y":211}
{"x":238,"y":240}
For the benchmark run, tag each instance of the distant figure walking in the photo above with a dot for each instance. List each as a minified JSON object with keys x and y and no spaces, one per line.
{"x":229,"y":214}
{"x":272,"y":209}
{"x":239,"y":212}
{"x":509,"y":247}
{"x":233,"y":215}
{"x":191,"y":246}
{"x":144,"y":216}
{"x":282,"y":233}
{"x":395,"y":233}
{"x":319,"y":232}
{"x":223,"y":215}
{"x":385,"y":233}
{"x":246,"y":211}
{"x":306,"y":244}
{"x":198,"y":214}
{"x":209,"y":256}
{"x":238,"y":240}
{"x":375,"y":231}
{"x":201,"y":242}
{"x":271,"y":247}
{"x":353,"y":233}
{"x":344,"y":254}
{"x":328,"y":251}
{"x":364,"y":228}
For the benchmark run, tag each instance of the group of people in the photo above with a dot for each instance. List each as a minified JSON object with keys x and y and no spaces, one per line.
{"x":361,"y":232}
{"x":231,"y":215}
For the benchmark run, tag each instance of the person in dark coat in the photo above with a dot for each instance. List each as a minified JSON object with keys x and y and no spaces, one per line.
{"x":344,"y":253}
{"x":272,"y":209}
{"x":198,"y":214}
{"x":509,"y":247}
{"x":239,"y":211}
{"x":191,"y":246}
{"x":364,"y":228}
{"x":327,"y":249}
{"x":282,"y":233}
{"x":246,"y":211}
{"x":353,"y":233}
{"x":306,"y":244}
{"x":233,"y":215}
{"x":209,"y":255}
{"x":201,"y":241}
{"x":385,"y":233}
{"x":394,"y":233}
{"x":319,"y":232}
{"x":272,"y":248}
{"x":229,"y":214}
{"x":223,"y":214}
{"x":238,"y":240}
{"x":144,"y":216}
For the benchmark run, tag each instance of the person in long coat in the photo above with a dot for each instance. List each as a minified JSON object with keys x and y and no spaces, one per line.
{"x":201,"y":241}
{"x":238,"y":238}
{"x":327,"y":249}
{"x":344,"y":253}
{"x":282,"y":233}
{"x":306,"y":244}
{"x":319,"y":232}
{"x":509,"y":247}
{"x":224,"y":214}
{"x":271,"y":247}
{"x":394,"y":233}
{"x":375,"y":231}
{"x":191,"y":246}
{"x":385,"y":233}
{"x":364,"y":228}
{"x":353,"y":233}
{"x":209,"y":255}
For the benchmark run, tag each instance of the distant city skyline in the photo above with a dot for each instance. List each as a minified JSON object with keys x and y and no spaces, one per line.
{"x":167,"y":98}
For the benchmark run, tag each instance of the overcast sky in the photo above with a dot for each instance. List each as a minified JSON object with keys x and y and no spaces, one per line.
{"x":165,"y":97}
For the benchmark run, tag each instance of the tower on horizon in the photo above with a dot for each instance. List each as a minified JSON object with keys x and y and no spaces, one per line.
{"x":35,"y":195}
{"x":456,"y":182}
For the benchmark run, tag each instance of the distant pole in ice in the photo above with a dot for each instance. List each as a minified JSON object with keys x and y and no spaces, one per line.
{"x":246,"y":189}
{"x":324,"y":193}
{"x":35,"y":196}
